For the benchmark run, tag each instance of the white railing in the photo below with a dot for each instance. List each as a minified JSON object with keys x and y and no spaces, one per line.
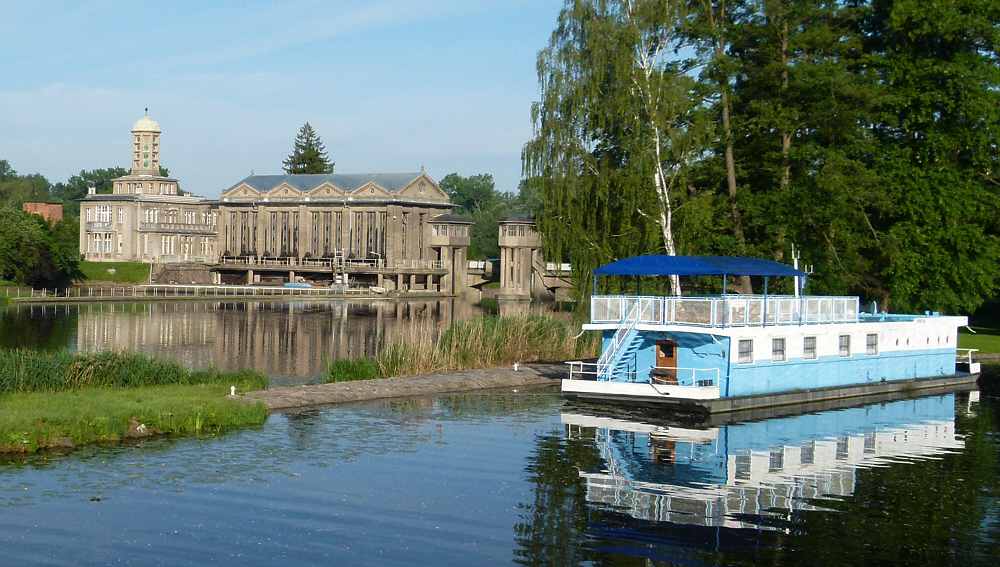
{"x":604,"y":363}
{"x":690,"y":377}
{"x":727,"y":311}
{"x":964,"y":354}
{"x":98,"y":226}
{"x":175,"y":227}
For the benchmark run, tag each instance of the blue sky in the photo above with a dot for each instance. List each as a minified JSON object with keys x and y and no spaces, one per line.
{"x":389,"y":85}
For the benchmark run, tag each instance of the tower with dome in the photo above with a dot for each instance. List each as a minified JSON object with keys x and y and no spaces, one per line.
{"x":147,"y":218}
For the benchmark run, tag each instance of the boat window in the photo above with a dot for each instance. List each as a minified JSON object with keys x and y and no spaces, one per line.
{"x":871,"y":347}
{"x":777,"y":350}
{"x":745,"y":352}
{"x":809,"y":348}
{"x":845,"y":345}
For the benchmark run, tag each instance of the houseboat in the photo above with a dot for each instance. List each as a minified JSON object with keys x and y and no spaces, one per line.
{"x":729,"y":352}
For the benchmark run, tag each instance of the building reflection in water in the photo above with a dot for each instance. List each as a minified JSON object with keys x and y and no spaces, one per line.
{"x":735,"y":476}
{"x":294,"y":340}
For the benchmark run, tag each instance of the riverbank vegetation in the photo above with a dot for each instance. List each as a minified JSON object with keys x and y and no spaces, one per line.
{"x":862,"y":132}
{"x":479,"y":343}
{"x":61,"y":399}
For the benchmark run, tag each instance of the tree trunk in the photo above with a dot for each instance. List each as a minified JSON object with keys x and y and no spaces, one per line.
{"x":720,"y":48}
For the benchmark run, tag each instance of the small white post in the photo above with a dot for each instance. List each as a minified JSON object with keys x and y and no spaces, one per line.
{"x":232,"y":390}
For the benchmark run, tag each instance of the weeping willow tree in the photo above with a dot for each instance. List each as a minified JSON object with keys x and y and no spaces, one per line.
{"x":612,"y":131}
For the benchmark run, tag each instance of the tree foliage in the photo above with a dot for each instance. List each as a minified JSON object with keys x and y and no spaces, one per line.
{"x":478,"y":199}
{"x":33,"y":252}
{"x":864,"y":132}
{"x":308,"y":155}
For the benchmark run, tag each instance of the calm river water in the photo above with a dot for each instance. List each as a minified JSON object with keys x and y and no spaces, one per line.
{"x":509,"y":478}
{"x":290,"y":341}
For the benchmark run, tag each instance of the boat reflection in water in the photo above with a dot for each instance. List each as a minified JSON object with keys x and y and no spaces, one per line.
{"x":748,"y":475}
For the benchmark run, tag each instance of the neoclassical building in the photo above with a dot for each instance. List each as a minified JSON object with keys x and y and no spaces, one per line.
{"x":145,"y":219}
{"x":391,"y":230}
{"x":395,"y":229}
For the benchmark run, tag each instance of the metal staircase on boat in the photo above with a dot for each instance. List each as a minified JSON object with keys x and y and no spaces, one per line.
{"x":626,"y":342}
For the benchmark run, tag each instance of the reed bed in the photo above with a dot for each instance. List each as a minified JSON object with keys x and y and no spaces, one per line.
{"x":33,"y":421}
{"x":30,"y":371}
{"x":479,"y":343}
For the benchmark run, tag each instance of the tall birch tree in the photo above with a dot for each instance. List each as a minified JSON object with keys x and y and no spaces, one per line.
{"x":612,"y":131}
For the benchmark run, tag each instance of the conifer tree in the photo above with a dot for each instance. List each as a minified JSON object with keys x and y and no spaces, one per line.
{"x":309,"y":155}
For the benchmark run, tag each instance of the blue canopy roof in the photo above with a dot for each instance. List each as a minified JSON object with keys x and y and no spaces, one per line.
{"x":662,"y":265}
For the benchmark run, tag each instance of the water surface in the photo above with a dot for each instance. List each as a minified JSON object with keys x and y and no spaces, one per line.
{"x":525,"y":479}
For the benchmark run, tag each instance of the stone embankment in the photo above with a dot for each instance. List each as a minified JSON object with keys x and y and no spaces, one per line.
{"x":290,"y":398}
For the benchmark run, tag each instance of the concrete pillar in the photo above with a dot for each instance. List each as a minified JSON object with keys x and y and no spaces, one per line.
{"x":413,"y":281}
{"x":291,"y":276}
{"x":399,"y":282}
{"x":249,"y":277}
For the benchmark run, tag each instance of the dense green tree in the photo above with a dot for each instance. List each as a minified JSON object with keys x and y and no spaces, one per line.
{"x":16,"y":189}
{"x":33,"y":252}
{"x":308,"y":155}
{"x":470,"y":193}
{"x":76,"y":186}
{"x":862,"y":131}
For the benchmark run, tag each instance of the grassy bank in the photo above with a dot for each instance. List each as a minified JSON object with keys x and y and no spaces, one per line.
{"x":124,"y":272}
{"x":33,"y":421}
{"x":480,"y":343}
{"x":986,"y":339}
{"x":63,"y":399}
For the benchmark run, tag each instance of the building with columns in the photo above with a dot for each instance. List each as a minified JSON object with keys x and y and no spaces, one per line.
{"x":389,"y":230}
{"x":145,"y":218}
{"x":393,"y":230}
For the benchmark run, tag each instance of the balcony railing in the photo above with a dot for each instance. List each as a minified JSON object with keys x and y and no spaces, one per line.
{"x":99,"y":226}
{"x":372,"y":264}
{"x":727,"y":311}
{"x":176,"y":227}
{"x":670,"y":376}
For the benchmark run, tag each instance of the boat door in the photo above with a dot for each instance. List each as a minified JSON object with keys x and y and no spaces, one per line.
{"x":666,"y":361}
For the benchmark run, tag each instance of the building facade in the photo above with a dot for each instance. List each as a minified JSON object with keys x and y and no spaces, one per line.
{"x":145,"y":218}
{"x":390,"y":230}
{"x":395,"y":229}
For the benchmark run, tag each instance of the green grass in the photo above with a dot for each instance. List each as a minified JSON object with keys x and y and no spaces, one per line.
{"x":491,"y":285}
{"x":125,"y":272}
{"x":33,"y":421}
{"x":986,"y":339}
{"x":480,"y":343}
{"x":30,"y":371}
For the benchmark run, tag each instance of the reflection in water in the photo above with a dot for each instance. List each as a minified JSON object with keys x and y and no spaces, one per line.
{"x":912,"y":482}
{"x":291,"y":339}
{"x":738,"y":476}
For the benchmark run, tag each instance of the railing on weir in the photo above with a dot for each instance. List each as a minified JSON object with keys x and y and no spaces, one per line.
{"x":206,"y":291}
{"x":727,"y":311}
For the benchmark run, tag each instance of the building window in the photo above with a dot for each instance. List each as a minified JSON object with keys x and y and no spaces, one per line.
{"x":107,"y":242}
{"x":777,"y":350}
{"x":104,"y":213}
{"x":871,"y":344}
{"x":121,"y":215}
{"x":845,"y":345}
{"x":88,"y":214}
{"x":97,"y":243}
{"x":809,"y":348}
{"x":745,"y":355}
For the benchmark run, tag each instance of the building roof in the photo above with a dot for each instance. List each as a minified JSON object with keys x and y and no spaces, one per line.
{"x":345,"y":181}
{"x":662,"y":265}
{"x":146,"y":124}
{"x":518,"y":218}
{"x":451,"y":218}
